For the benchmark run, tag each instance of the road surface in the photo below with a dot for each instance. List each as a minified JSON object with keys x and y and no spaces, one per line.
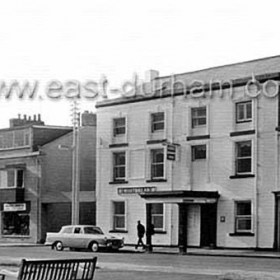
{"x":137,"y":265}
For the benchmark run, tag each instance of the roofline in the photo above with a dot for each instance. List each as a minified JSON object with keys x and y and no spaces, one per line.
{"x":207,"y":87}
{"x":220,"y":66}
{"x":32,"y":154}
{"x":35,"y":126}
{"x":53,"y":127}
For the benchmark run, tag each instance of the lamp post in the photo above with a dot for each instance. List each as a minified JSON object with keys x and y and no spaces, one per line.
{"x":75,"y":164}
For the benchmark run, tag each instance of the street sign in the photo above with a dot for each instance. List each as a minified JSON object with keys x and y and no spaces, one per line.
{"x":171,"y":152}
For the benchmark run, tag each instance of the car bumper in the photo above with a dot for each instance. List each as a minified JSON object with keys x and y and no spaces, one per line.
{"x":115,"y":244}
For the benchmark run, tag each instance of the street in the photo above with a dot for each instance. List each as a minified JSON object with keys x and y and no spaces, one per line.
{"x":136,"y":265}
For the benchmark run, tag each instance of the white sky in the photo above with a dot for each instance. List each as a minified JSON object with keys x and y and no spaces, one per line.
{"x":57,"y":39}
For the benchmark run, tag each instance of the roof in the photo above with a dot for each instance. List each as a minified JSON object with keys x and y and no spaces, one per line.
{"x":238,"y":73}
{"x":35,"y":126}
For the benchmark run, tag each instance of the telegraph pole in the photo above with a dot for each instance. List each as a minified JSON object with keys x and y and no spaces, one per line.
{"x":75,"y":164}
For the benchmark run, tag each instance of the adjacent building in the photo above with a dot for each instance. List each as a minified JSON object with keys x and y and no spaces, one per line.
{"x":195,"y":154}
{"x":36,"y":177}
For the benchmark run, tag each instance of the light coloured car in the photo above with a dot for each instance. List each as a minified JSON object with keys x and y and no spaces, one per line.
{"x":82,"y":237}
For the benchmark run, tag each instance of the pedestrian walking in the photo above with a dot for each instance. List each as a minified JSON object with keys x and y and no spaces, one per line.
{"x":140,"y":233}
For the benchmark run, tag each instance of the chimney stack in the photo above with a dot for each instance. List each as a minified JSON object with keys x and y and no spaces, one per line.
{"x":88,"y":119}
{"x":151,"y":75}
{"x":16,"y":122}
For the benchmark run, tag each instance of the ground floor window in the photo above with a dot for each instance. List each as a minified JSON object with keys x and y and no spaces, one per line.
{"x":157,"y":215}
{"x":119,"y":215}
{"x":14,"y":223}
{"x":243,"y":216}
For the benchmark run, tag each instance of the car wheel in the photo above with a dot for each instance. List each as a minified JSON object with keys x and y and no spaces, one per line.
{"x":94,"y":247}
{"x":59,"y":246}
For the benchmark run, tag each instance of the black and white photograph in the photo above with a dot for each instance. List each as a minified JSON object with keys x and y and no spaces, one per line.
{"x":139,"y":140}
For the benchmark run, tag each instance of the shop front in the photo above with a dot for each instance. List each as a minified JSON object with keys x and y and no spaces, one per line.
{"x":15,"y":220}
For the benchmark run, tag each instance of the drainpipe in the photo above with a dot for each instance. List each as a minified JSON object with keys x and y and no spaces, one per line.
{"x":276,"y":218}
{"x":39,"y":197}
{"x":176,"y":154}
{"x":256,"y":149}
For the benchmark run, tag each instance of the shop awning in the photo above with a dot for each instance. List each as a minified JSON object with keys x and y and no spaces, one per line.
{"x":188,"y":197}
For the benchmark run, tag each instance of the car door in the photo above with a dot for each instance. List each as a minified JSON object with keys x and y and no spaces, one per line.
{"x":65,"y":236}
{"x":77,"y":238}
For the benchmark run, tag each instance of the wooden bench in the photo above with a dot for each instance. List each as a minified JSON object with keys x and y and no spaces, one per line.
{"x":66,"y":269}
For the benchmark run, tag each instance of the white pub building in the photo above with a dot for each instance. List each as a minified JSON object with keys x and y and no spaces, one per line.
{"x":195,"y":154}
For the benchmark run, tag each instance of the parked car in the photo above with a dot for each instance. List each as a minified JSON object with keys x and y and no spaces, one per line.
{"x":82,"y":237}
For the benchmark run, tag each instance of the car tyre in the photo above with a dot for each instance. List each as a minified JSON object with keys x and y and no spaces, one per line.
{"x":59,"y":246}
{"x":94,"y":247}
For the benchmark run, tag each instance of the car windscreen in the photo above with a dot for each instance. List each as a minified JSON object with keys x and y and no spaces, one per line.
{"x":92,"y":230}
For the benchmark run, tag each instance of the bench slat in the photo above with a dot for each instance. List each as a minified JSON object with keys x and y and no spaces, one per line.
{"x":69,"y":269}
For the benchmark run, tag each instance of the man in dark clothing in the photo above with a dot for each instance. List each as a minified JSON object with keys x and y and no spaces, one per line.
{"x":140,"y":233}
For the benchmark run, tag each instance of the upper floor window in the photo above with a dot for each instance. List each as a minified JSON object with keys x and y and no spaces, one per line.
{"x":157,"y":164}
{"x":119,"y":162}
{"x":198,"y":152}
{"x":243,"y":216}
{"x":11,"y":178}
{"x":198,"y":117}
{"x":118,"y":215}
{"x":244,"y":111}
{"x":157,"y":120}
{"x":243,"y":157}
{"x":119,"y":126}
{"x":13,"y":139}
{"x":157,"y":215}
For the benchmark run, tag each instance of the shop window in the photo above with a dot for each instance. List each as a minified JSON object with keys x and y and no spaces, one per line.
{"x":119,"y":126}
{"x":157,"y":164}
{"x":198,"y":117}
{"x":198,"y":152}
{"x":243,"y":157}
{"x":157,"y":215}
{"x":243,"y":216}
{"x":244,"y":111}
{"x":11,"y":178}
{"x":119,"y":163}
{"x":157,"y":121}
{"x":119,"y":215}
{"x":14,"y":223}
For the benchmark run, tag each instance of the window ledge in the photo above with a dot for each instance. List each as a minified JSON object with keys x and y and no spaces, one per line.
{"x":160,"y":232}
{"x":241,"y":176}
{"x":198,"y":137}
{"x":243,"y":121}
{"x":15,"y":236}
{"x":118,"y":182}
{"x":156,"y":181}
{"x":156,"y":141}
{"x":118,"y":145}
{"x":242,"y":132}
{"x":242,"y":234}
{"x":118,"y":231}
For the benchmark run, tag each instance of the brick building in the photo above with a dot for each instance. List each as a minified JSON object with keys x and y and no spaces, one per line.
{"x":35,"y":177}
{"x":197,"y":155}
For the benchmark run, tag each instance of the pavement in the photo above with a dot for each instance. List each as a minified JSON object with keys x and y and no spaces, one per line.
{"x":250,"y":253}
